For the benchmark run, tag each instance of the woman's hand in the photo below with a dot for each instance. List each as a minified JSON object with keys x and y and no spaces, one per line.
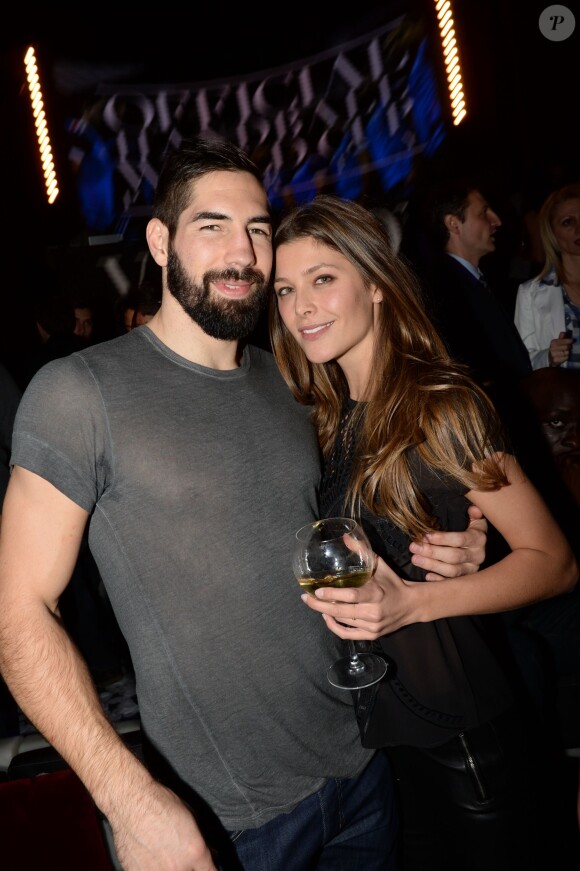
{"x":559,"y":350}
{"x":383,"y":604}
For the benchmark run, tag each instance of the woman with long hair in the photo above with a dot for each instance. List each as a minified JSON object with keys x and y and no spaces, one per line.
{"x":409,"y":442}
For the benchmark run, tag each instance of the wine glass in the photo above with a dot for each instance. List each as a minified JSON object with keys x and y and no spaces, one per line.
{"x":335,"y":552}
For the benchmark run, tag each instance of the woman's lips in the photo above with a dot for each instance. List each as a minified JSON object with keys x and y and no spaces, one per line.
{"x":314,"y":332}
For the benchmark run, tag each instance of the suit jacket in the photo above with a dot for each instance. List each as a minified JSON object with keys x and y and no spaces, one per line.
{"x":539,"y":316}
{"x":476,"y":326}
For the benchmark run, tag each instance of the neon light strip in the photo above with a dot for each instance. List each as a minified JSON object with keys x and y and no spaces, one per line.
{"x":37,"y":105}
{"x":451,"y":59}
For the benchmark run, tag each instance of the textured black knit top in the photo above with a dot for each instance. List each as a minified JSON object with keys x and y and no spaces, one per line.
{"x":443,"y":676}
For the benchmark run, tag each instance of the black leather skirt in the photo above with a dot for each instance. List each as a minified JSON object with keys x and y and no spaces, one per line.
{"x":479,"y":802}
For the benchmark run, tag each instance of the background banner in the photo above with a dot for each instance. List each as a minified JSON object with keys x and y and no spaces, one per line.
{"x":354,"y":121}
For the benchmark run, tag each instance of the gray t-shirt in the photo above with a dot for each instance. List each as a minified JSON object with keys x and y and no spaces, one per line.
{"x":195,"y":481}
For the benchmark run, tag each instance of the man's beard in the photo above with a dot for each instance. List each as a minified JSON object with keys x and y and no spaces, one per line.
{"x":219,"y":317}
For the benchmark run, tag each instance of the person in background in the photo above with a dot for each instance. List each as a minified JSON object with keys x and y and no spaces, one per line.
{"x":409,"y":441}
{"x":93,"y":304}
{"x":468,"y":311}
{"x":167,"y":442}
{"x":54,"y":321}
{"x":125,"y":310}
{"x":147,"y":302}
{"x":470,"y":314}
{"x":138,"y":305}
{"x":547,"y":312}
{"x":84,"y":319}
{"x":555,"y":395}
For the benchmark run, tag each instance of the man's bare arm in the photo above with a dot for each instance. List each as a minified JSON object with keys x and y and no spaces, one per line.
{"x":41,"y":535}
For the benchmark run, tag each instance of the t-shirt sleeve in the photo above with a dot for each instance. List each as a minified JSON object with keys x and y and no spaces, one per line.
{"x":60,"y":431}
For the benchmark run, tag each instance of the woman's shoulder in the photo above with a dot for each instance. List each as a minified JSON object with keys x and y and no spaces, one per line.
{"x":545,"y":283}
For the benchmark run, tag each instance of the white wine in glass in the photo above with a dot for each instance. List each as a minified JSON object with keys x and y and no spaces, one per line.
{"x":335,"y":552}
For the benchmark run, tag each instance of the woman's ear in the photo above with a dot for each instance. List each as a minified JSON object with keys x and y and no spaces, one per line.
{"x":377,"y":295}
{"x":157,"y":237}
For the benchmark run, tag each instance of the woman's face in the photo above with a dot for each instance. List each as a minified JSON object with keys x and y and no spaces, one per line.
{"x":326,"y":305}
{"x":566,"y":226}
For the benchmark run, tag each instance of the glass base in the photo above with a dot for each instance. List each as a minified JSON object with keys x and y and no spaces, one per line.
{"x":345,"y":677}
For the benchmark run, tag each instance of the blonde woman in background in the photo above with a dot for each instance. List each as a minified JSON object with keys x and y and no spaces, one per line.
{"x":547,"y":312}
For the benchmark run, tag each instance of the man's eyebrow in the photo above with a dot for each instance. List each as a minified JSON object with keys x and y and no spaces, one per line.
{"x":260,"y":219}
{"x":210,"y":216}
{"x":220,"y":216}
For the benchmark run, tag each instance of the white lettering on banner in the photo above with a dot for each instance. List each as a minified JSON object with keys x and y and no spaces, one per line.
{"x":355,"y":101}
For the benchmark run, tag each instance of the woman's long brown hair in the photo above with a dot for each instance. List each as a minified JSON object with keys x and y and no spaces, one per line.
{"x":418,"y":397}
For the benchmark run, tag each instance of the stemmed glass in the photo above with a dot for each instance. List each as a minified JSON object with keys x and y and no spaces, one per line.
{"x":335,"y":552}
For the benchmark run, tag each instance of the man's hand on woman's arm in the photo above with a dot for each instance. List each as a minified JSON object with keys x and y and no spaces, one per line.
{"x":452,"y":554}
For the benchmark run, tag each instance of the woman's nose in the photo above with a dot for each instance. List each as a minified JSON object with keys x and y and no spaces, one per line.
{"x":304,"y":304}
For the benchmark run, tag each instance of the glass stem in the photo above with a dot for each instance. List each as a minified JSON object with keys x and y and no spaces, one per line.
{"x":355,"y":666}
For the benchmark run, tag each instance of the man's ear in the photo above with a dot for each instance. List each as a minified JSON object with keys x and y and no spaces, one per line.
{"x":157,"y":237}
{"x":452,"y":224}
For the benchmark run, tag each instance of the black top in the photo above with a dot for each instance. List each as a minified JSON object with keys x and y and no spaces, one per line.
{"x":443,"y":676}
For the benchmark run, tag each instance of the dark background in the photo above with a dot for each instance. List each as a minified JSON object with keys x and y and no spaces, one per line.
{"x":520,"y":132}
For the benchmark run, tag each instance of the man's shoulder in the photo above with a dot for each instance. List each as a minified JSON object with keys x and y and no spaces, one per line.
{"x":127,"y":345}
{"x":78,"y":373}
{"x":451,"y":268}
{"x":450,"y":283}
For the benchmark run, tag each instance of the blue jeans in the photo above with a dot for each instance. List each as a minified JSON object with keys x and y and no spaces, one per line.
{"x":348,"y":824}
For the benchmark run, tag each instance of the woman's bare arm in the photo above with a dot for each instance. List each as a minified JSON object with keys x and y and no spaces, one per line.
{"x":540,"y":565}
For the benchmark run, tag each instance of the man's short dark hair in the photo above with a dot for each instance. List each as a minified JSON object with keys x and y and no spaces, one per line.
{"x":449,"y":197}
{"x":194,"y":158}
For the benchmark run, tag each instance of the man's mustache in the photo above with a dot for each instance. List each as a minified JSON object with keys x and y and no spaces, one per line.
{"x":254,"y":276}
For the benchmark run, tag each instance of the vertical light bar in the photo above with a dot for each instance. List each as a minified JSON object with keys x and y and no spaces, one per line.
{"x":451,"y":60}
{"x":37,"y":106}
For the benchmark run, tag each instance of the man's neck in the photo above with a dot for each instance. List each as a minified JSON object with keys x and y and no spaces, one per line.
{"x":466,"y":264}
{"x":173,"y":326}
{"x":464,"y":255}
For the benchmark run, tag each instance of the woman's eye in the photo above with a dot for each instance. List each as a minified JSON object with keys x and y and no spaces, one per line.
{"x":323,"y":279}
{"x":283,"y":291}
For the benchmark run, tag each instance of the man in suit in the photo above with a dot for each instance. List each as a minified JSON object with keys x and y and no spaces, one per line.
{"x":460,"y":227}
{"x":472,"y":318}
